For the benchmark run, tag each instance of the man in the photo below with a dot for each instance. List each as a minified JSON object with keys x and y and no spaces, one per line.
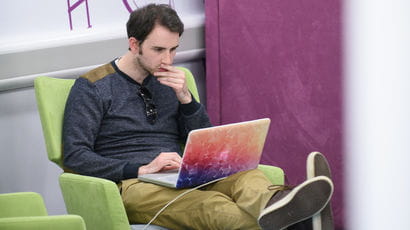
{"x":128,"y":118}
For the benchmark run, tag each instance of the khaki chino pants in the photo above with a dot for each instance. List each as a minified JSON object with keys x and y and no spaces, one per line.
{"x":232,"y":203}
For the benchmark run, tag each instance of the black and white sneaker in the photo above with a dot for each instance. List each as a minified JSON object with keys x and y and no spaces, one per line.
{"x":288,"y":207}
{"x":317,"y":165}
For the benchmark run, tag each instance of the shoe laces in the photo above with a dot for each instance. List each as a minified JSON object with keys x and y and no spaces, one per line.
{"x":279,"y":187}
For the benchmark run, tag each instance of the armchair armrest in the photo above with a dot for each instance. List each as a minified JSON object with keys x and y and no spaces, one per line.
{"x":83,"y":195}
{"x":22,"y":204}
{"x":273,"y":173}
{"x":66,"y":222}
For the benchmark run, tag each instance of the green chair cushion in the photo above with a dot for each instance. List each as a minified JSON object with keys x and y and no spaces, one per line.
{"x":26,"y":210}
{"x":65,"y":222}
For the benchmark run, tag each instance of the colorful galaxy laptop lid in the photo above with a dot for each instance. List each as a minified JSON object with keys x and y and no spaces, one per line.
{"x":216,"y":152}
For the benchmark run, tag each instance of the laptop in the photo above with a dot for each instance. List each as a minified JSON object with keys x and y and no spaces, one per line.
{"x":214,"y":153}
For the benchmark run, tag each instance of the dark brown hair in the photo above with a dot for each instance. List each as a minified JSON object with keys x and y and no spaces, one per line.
{"x":143,"y":20}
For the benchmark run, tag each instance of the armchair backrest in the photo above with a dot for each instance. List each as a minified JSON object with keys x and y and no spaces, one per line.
{"x":51,"y":96}
{"x":22,"y":204}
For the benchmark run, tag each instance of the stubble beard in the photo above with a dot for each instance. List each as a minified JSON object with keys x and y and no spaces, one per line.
{"x":139,"y":64}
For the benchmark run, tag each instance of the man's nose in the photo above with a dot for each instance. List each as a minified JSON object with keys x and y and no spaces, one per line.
{"x":167,"y":58}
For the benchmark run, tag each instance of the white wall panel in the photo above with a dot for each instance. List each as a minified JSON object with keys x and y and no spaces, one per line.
{"x":377,"y":114}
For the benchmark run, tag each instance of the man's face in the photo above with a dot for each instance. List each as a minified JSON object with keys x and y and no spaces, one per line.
{"x":158,"y":48}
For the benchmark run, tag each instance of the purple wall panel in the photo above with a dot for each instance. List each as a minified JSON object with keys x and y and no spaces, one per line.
{"x":282,"y":60}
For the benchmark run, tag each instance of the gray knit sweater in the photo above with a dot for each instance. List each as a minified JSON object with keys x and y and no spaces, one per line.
{"x":106,"y":133}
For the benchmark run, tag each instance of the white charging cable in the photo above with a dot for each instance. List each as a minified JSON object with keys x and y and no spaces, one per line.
{"x":176,"y":198}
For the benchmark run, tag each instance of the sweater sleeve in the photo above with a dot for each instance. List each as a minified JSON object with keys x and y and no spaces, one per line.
{"x":192,"y":116}
{"x":83,"y":115}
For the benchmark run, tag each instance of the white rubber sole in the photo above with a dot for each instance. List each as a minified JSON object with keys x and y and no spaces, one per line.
{"x":311,"y":173}
{"x":299,"y":204}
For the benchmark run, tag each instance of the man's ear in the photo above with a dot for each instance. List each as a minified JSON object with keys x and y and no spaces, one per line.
{"x":133,"y":44}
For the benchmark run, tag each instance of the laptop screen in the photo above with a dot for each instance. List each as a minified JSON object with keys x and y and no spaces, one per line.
{"x":220,"y":151}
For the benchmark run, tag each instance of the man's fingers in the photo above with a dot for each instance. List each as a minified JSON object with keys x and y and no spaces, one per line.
{"x":173,"y":163}
{"x":170,"y":80}
{"x":170,"y":167}
{"x":170,"y":158}
{"x":169,"y":71}
{"x":169,"y":68}
{"x":164,"y":161}
{"x":174,"y":78}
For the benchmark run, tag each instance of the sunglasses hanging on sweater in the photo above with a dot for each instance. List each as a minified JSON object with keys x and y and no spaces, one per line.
{"x":150,"y":109}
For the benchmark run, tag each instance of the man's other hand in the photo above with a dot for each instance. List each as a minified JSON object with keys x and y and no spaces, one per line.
{"x":164,"y":161}
{"x":174,"y":78}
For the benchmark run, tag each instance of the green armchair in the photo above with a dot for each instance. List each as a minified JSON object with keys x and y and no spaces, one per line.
{"x":26,"y":210}
{"x":96,"y":200}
